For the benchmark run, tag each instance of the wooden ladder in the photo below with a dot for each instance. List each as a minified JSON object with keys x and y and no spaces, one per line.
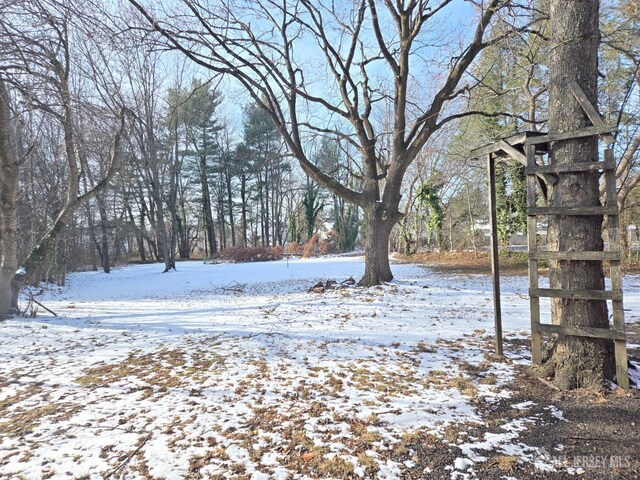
{"x":612,"y":255}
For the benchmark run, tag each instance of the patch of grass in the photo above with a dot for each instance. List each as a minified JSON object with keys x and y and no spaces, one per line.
{"x":198,"y":462}
{"x":373,"y":419}
{"x":237,"y":468}
{"x":266,"y":419}
{"x":369,"y":464}
{"x":24,"y":420}
{"x":512,"y":262}
{"x":26,"y":456}
{"x":391,"y":384}
{"x":163,"y":369}
{"x":464,"y":385}
{"x":411,"y":439}
{"x":489,"y":379}
{"x":303,"y":455}
{"x":335,"y":383}
{"x":221,"y":454}
{"x":506,"y":463}
{"x":263,"y":368}
{"x":435,"y":379}
{"x":317,"y":408}
{"x":158,"y":369}
{"x":424,"y":347}
{"x":25,"y":393}
{"x":336,"y":467}
{"x":362,"y":436}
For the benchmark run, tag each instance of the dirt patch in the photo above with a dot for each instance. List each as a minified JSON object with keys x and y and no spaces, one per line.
{"x":583,"y":432}
{"x":511,"y":263}
{"x":598,"y":434}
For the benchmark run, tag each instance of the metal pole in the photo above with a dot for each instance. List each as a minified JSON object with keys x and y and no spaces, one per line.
{"x":495,"y":267}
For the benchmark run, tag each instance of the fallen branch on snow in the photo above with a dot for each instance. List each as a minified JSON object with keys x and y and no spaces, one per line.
{"x":129,"y":457}
{"x":234,"y":287}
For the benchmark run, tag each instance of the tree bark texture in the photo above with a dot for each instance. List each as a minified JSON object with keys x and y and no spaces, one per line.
{"x":9,"y":173}
{"x":378,"y":225}
{"x":578,"y":362}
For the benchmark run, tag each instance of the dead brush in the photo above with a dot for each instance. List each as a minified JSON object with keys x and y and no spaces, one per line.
{"x":252,"y":254}
{"x":423,"y":347}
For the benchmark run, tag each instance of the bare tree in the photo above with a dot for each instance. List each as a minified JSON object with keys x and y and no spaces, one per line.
{"x":621,"y":67}
{"x":37,"y":57}
{"x":266,"y":47}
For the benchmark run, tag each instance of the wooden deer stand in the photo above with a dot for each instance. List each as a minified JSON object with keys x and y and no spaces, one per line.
{"x":526,"y":148}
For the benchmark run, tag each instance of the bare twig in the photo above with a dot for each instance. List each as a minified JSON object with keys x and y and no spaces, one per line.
{"x":234,"y":287}
{"x":548,"y":384}
{"x":40,"y":304}
{"x":129,"y":457}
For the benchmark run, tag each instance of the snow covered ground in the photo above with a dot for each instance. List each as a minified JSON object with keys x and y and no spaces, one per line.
{"x":237,"y":371}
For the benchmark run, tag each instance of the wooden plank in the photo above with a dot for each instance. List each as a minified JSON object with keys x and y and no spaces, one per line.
{"x":484,"y":150}
{"x":576,"y":256}
{"x":495,"y":267}
{"x":589,"y":109}
{"x":583,"y":132}
{"x":567,"y":211}
{"x":534,"y":305}
{"x":613,"y":230}
{"x":572,"y":167}
{"x":576,"y":331}
{"x":493,"y":148}
{"x":520,"y":157}
{"x":532,"y":246}
{"x":576,"y":294}
{"x":513,"y":152}
{"x":622,"y":363}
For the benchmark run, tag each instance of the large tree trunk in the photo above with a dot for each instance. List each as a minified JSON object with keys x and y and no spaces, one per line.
{"x":379,"y":224}
{"x":577,"y":361}
{"x":9,"y":174}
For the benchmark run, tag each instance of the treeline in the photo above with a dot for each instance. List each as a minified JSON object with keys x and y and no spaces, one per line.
{"x":126,"y":152}
{"x":446,"y":194}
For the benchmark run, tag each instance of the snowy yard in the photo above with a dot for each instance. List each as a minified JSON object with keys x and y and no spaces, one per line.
{"x":150,"y":375}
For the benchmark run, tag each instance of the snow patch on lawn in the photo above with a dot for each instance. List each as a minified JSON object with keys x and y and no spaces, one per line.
{"x":170,"y":375}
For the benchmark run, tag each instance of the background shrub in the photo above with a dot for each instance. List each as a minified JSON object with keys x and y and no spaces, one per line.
{"x":252,"y":254}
